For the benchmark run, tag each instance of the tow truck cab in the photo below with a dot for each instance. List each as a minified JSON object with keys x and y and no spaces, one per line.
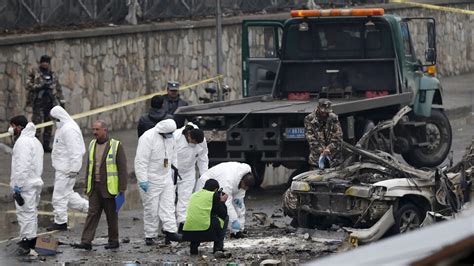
{"x":361,"y":59}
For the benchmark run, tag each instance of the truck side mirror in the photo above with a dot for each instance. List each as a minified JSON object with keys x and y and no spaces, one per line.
{"x":430,"y":53}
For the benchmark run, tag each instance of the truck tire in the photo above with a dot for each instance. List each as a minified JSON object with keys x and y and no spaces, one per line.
{"x":439,"y":137}
{"x":407,"y":218}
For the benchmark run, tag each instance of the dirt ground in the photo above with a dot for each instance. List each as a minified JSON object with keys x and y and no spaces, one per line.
{"x":266,"y":239}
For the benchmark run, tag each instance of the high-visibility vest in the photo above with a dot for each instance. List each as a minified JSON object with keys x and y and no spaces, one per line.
{"x":111,"y":167}
{"x":198,"y":214}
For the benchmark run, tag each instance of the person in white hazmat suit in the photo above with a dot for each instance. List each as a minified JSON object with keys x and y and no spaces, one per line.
{"x":25,"y":180}
{"x":192,"y":149}
{"x":156,"y":153}
{"x":67,"y":155}
{"x":235,"y":179}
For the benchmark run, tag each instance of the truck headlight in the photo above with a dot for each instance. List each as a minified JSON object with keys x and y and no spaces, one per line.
{"x":300,"y":186}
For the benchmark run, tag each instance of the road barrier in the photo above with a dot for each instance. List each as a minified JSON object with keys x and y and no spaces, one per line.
{"x":125,"y":103}
{"x":435,"y":7}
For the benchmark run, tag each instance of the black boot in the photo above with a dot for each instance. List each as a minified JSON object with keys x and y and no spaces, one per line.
{"x":23,"y":247}
{"x":237,"y":235}
{"x":149,"y":241}
{"x":85,"y":246}
{"x":172,"y":237}
{"x":112,"y":245}
{"x":193,"y":248}
{"x":55,"y":226}
{"x":32,"y":243}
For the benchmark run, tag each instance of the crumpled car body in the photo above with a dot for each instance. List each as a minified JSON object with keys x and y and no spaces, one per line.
{"x":370,"y":185}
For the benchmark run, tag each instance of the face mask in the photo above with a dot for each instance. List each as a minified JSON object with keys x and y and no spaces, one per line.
{"x":168,"y":135}
{"x":11,"y":131}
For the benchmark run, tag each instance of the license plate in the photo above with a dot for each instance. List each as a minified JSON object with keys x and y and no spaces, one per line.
{"x":215,"y":135}
{"x":294,"y":133}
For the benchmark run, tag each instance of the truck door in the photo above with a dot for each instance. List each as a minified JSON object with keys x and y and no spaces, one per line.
{"x":261,"y":42}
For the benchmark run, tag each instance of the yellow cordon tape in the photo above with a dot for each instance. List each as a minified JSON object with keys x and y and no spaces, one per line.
{"x":123,"y":103}
{"x":435,"y":7}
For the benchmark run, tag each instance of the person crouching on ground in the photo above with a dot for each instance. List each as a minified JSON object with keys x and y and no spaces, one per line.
{"x":206,"y":217}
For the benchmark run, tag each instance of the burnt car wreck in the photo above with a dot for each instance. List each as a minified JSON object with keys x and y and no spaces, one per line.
{"x":372,"y":192}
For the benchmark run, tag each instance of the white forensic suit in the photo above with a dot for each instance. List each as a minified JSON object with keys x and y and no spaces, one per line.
{"x":27,"y":167}
{"x":67,"y":154}
{"x":153,"y":160}
{"x":229,"y":175}
{"x":188,"y":156}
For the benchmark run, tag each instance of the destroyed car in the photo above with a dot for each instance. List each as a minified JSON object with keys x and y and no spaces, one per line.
{"x":373,"y":191}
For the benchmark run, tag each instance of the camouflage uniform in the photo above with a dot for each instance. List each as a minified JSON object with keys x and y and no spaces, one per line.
{"x":322,"y":133}
{"x":43,"y":95}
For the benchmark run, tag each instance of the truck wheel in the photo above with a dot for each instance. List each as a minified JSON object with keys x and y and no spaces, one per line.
{"x":407,"y":218}
{"x":439,"y":137}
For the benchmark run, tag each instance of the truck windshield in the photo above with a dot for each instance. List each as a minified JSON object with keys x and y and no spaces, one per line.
{"x":330,"y":40}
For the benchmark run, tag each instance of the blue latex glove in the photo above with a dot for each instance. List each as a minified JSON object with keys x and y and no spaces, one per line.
{"x":17,"y":189}
{"x":238,"y":202}
{"x":322,"y":159}
{"x":236,"y":225}
{"x":144,"y":185}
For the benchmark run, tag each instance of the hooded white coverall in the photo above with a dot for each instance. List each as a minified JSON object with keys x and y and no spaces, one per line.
{"x":229,"y":175}
{"x":188,"y":156}
{"x":153,"y":160}
{"x":27,"y":167}
{"x":67,"y":154}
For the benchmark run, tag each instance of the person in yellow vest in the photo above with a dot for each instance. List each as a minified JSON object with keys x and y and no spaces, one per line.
{"x":106,"y":178}
{"x":206,"y":217}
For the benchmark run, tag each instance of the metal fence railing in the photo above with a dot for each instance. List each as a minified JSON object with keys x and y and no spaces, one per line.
{"x":22,"y":14}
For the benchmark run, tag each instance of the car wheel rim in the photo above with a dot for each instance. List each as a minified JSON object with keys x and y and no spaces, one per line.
{"x":433,"y":136}
{"x":409,"y":221}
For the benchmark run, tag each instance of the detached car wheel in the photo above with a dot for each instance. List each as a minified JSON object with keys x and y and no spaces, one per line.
{"x":439,"y":137}
{"x":407,"y":218}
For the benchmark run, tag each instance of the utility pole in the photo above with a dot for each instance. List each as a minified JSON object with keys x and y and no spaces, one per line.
{"x":219,"y":46}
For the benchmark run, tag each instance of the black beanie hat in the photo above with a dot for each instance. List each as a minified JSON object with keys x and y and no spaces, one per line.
{"x":211,"y":185}
{"x":45,"y":58}
{"x":19,"y":120}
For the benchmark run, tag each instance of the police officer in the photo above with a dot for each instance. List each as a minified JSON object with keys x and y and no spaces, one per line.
{"x":172,"y":101}
{"x":44,"y":92}
{"x":323,"y":133}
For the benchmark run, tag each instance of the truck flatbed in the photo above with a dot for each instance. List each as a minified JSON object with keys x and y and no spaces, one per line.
{"x":267,"y":105}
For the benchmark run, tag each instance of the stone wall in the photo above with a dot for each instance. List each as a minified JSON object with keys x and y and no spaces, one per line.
{"x":99,"y":67}
{"x":100,"y":71}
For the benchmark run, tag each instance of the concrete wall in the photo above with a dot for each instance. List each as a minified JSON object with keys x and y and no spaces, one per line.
{"x":98,"y":67}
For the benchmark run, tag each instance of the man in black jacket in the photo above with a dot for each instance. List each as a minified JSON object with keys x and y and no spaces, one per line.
{"x":206,"y":217}
{"x":156,"y":114}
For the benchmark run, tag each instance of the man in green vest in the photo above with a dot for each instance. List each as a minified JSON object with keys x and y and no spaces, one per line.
{"x":206,"y":217}
{"x":106,"y":178}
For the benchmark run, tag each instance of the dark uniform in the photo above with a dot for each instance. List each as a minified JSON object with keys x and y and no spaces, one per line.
{"x":172,"y":101}
{"x":156,"y":114}
{"x":322,"y":130}
{"x":44,"y":92}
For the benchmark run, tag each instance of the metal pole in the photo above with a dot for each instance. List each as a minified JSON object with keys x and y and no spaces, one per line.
{"x":219,"y":46}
